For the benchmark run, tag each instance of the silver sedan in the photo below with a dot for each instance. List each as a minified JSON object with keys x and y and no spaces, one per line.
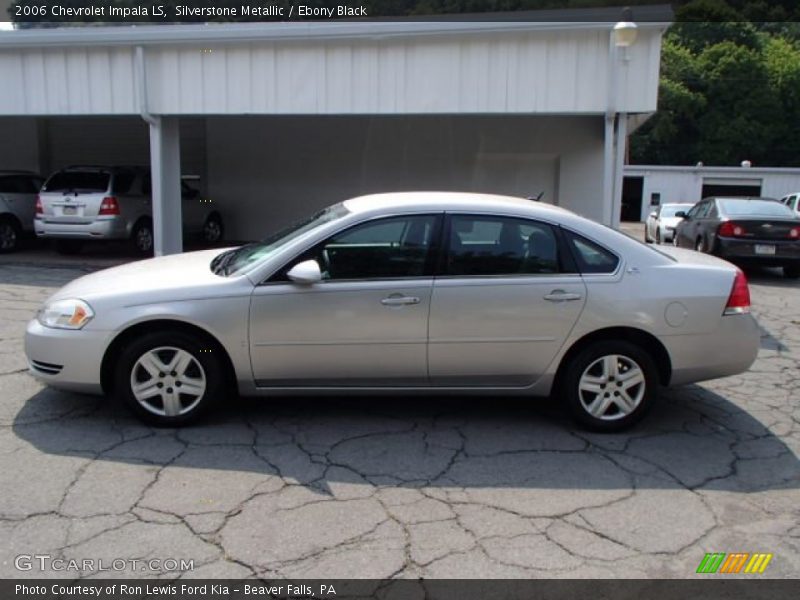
{"x":404,"y":293}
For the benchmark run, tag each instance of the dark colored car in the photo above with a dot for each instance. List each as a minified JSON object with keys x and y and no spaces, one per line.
{"x":744,"y":230}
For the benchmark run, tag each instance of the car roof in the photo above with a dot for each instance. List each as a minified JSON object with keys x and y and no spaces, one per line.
{"x":17,"y":172}
{"x":102,"y":168}
{"x":741,"y":198}
{"x":448,"y":201}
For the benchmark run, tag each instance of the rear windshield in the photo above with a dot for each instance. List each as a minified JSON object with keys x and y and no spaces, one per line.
{"x":756,"y":208}
{"x":78,"y":181}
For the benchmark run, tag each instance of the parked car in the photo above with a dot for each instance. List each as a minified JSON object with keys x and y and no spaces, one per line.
{"x":792,"y":201}
{"x":744,"y":230}
{"x":84,"y":203}
{"x":18,"y":191}
{"x":404,"y":293}
{"x":661,"y":222}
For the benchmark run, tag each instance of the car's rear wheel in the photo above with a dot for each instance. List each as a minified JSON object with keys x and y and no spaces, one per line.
{"x":610,"y":385}
{"x":10,"y":232}
{"x":658,"y":235}
{"x":142,"y":237}
{"x":69,"y":247}
{"x":213,"y":229}
{"x":169,"y":378}
{"x":791,"y":271}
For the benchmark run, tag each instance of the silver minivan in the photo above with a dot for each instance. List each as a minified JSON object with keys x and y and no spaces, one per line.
{"x":18,"y":191}
{"x":83,"y":203}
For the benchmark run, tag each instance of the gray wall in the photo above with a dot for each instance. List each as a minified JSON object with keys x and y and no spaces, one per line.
{"x":265,"y":172}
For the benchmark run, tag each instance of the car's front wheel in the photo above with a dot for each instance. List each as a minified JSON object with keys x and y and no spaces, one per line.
{"x":610,"y":385}
{"x":169,"y":378}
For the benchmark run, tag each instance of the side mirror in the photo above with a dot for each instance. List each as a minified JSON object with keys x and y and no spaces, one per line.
{"x":306,"y":272}
{"x":681,"y":214}
{"x":654,"y":214}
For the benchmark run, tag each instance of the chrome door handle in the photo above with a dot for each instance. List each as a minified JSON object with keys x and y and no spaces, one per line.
{"x":399,"y":300}
{"x":561,"y":296}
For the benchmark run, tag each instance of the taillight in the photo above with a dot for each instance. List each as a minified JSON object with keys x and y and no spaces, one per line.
{"x":109,"y":206}
{"x":730,"y":229}
{"x":739,"y":300}
{"x":39,"y":206}
{"x":794,"y":233}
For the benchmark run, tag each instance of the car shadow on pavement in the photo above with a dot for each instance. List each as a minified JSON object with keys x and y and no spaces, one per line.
{"x":693,"y":439}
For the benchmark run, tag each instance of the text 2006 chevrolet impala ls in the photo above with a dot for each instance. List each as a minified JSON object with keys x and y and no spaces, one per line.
{"x":404,"y":293}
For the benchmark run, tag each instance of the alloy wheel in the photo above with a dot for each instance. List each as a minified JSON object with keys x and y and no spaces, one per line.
{"x":612,"y":387}
{"x":144,"y":239}
{"x":212,"y":230}
{"x":168,"y":381}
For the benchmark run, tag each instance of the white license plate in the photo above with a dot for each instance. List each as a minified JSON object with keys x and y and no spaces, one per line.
{"x":765,"y":249}
{"x":73,"y":210}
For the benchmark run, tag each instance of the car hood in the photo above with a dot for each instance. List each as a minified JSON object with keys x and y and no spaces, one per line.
{"x":177,"y":273}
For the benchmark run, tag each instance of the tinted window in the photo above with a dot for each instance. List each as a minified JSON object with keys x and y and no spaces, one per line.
{"x":480,"y":246}
{"x":756,"y":208}
{"x":591,"y":257}
{"x":78,"y":181}
{"x":388,"y":248}
{"x":123,"y":180}
{"x":19,"y":184}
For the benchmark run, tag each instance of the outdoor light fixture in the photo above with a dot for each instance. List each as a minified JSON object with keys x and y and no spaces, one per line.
{"x":625,"y":31}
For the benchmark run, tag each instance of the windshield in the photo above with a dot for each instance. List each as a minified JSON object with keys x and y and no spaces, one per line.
{"x":755,"y":208}
{"x":235,"y":261}
{"x":78,"y":181}
{"x":669,"y":210}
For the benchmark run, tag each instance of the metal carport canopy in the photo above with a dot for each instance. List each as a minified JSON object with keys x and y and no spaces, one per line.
{"x":319,"y":68}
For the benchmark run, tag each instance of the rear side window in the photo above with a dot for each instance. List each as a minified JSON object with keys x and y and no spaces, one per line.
{"x":484,"y":246}
{"x":78,"y":181}
{"x":591,"y":257}
{"x":19,"y":184}
{"x":123,"y":181}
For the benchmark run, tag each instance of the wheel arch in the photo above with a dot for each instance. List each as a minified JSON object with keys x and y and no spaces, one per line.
{"x":159,"y":325}
{"x":646,"y":341}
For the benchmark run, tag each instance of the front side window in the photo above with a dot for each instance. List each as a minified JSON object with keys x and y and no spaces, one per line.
{"x":484,"y":246}
{"x":387,"y":248}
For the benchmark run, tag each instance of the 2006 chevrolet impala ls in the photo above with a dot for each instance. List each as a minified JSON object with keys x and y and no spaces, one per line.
{"x":402,"y":293}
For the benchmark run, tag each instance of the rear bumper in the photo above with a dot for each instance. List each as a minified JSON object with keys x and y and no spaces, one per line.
{"x":101,"y":228}
{"x":730,"y":349}
{"x":786,"y":252}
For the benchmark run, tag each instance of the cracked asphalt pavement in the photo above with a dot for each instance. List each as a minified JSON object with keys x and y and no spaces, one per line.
{"x":400,"y":487}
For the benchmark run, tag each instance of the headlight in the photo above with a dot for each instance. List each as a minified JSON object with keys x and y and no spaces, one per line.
{"x":65,"y":314}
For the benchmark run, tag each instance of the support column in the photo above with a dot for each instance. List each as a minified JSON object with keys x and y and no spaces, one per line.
{"x":621,"y":139}
{"x":165,"y":166}
{"x":608,"y":171}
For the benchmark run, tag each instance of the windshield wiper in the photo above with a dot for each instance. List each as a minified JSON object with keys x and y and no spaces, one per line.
{"x":221,"y":261}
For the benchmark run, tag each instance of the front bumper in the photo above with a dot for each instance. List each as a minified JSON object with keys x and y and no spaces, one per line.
{"x":64,"y":358}
{"x":100,"y":228}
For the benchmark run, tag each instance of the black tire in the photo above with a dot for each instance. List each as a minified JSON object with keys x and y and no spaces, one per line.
{"x":658,"y":235}
{"x":207,"y":366}
{"x":69,"y":247}
{"x":142,"y":238}
{"x":213,"y":229}
{"x":10,"y":234}
{"x":791,"y":271}
{"x":613,"y":418}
